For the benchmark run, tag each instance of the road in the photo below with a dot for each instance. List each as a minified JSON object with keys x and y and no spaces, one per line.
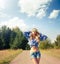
{"x":24,"y":58}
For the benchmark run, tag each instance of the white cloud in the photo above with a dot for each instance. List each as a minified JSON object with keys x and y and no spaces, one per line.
{"x":3,"y":4}
{"x":54,"y":14}
{"x":14,"y":22}
{"x":3,"y":15}
{"x":41,"y":13}
{"x":34,"y":7}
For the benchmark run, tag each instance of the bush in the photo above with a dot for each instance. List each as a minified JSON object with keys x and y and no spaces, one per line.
{"x":27,"y":47}
{"x":57,"y":42}
{"x":45,"y":44}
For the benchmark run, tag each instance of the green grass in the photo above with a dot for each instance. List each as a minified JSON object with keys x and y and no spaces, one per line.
{"x":8,"y":55}
{"x":52,"y":52}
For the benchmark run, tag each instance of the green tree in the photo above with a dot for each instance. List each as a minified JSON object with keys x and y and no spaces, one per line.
{"x":12,"y":38}
{"x":5,"y":37}
{"x":19,"y":39}
{"x":57,"y":42}
{"x":45,"y":44}
{"x":1,"y":43}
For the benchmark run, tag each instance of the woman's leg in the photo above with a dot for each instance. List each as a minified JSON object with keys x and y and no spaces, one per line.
{"x":38,"y":56}
{"x":35,"y":61}
{"x":38,"y":60}
{"x":35,"y":57}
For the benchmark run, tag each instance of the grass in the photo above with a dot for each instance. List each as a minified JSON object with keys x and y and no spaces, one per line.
{"x":52,"y":52}
{"x":7,"y":55}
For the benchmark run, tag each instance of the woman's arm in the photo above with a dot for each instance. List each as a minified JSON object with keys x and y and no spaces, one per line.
{"x":37,"y":38}
{"x":27,"y":34}
{"x":43,"y":37}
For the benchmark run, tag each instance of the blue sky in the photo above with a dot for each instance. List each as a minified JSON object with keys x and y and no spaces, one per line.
{"x":27,"y":14}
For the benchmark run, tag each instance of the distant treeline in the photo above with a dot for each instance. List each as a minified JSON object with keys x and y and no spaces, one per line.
{"x":14,"y":39}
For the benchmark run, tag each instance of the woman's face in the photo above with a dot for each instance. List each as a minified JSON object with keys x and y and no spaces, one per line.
{"x":34,"y":33}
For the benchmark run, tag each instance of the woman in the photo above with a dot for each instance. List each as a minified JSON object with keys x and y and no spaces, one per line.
{"x":34,"y":38}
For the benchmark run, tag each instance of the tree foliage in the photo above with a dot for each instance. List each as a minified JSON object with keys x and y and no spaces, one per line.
{"x":12,"y":38}
{"x":46,"y":44}
{"x":57,"y":42}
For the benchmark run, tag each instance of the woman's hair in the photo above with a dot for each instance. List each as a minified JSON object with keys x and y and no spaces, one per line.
{"x":32,"y":36}
{"x":34,"y":30}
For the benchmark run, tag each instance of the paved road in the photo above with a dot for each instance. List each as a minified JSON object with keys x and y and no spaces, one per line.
{"x":24,"y":58}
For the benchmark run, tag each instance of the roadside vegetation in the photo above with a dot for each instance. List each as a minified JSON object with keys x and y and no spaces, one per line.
{"x":7,"y":55}
{"x":51,"y":52}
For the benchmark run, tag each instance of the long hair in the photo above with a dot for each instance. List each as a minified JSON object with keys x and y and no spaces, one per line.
{"x":33,"y":36}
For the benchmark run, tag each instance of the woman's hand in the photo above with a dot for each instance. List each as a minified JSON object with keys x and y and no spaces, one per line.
{"x":37,"y":39}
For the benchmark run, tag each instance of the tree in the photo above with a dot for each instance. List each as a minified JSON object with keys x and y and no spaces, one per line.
{"x":45,"y":44}
{"x":57,"y":42}
{"x":4,"y":37}
{"x":1,"y":43}
{"x":19,"y":41}
{"x":12,"y":38}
